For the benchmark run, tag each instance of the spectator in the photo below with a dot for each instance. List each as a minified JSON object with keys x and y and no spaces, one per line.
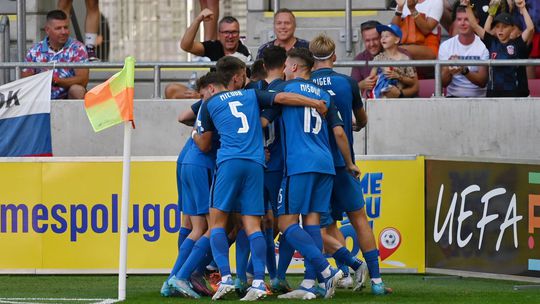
{"x":59,"y":47}
{"x":419,"y":21}
{"x":284,"y":28}
{"x":510,"y":7}
{"x":464,"y":81}
{"x":391,"y":78}
{"x":534,"y":11}
{"x":91,"y":24}
{"x":505,"y":81}
{"x":210,"y":26}
{"x":228,"y":43}
{"x":372,"y":43}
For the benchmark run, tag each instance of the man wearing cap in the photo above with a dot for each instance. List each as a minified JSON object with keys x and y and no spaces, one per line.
{"x":464,"y":81}
{"x":505,"y":81}
{"x":391,"y":78}
{"x":372,"y":43}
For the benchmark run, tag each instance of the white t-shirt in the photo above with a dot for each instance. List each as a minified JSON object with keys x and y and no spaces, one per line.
{"x":460,"y":86}
{"x":431,"y":8}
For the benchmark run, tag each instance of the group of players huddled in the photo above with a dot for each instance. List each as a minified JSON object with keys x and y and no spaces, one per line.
{"x":260,"y":159}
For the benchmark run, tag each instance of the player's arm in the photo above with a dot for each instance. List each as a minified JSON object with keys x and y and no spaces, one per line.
{"x":188,"y":42}
{"x":204,"y":140}
{"x":188,"y":117}
{"x":269,"y":115}
{"x":342,"y":142}
{"x":290,"y":99}
{"x":358,"y":108}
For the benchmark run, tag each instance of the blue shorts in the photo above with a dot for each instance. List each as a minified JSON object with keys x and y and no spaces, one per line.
{"x":238,"y":187}
{"x":179,"y":184}
{"x":305,"y":193}
{"x":272,"y":184}
{"x":196,"y":181}
{"x":347,"y":196}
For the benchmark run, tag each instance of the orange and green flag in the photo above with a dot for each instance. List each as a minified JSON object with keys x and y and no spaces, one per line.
{"x":111,"y":102}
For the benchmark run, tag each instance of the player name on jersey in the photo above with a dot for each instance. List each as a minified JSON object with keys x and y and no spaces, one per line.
{"x":304,"y":87}
{"x":322,"y":81}
{"x":230,"y":94}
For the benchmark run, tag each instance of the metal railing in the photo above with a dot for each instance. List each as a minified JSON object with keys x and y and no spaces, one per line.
{"x":21,"y":33}
{"x":4,"y":47}
{"x":157,"y":66}
{"x":348,"y":27}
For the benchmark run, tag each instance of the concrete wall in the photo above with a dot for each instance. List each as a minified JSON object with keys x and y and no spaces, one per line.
{"x":500,"y":128}
{"x":157,"y":131}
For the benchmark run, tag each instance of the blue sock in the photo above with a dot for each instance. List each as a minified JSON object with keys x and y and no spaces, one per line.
{"x":286,"y":253}
{"x":182,"y":236}
{"x":257,"y":244}
{"x":201,"y":247}
{"x":315,"y":232}
{"x":303,"y":242}
{"x":345,"y":269}
{"x":185,"y":249}
{"x":372,"y":261}
{"x":208,"y":258}
{"x":270,"y":253}
{"x":220,"y":250}
{"x":242,"y":255}
{"x":346,"y":257}
{"x":250,"y":266}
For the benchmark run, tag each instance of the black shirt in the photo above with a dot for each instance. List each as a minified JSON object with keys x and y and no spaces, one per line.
{"x":213,"y":49}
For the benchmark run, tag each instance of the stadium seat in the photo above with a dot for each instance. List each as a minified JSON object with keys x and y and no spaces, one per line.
{"x":534,"y":87}
{"x":427,"y":88}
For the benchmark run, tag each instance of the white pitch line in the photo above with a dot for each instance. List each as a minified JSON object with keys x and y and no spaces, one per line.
{"x":24,"y":300}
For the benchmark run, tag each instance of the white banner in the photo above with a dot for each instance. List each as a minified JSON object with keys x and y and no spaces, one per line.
{"x":30,"y":95}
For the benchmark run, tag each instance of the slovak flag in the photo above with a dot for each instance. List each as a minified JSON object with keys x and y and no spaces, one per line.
{"x":25,"y":116}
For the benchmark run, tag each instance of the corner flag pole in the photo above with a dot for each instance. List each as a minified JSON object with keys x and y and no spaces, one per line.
{"x":122,"y":267}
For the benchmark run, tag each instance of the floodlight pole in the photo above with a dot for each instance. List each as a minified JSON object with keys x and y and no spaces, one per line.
{"x":122,"y":267}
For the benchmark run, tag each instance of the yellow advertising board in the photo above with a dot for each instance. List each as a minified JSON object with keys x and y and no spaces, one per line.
{"x":394,"y":196}
{"x":63,"y":216}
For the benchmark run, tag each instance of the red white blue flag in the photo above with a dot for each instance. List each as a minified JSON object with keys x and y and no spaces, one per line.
{"x":25,"y":116}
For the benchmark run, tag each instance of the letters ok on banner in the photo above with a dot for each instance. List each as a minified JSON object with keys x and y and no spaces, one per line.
{"x":25,"y":123}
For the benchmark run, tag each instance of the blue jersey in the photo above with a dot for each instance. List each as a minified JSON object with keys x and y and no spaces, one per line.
{"x":184,"y":151}
{"x":258,"y":85}
{"x":236,"y":117}
{"x":346,"y":95}
{"x":272,"y":138}
{"x":304,"y":132}
{"x":194,"y":155}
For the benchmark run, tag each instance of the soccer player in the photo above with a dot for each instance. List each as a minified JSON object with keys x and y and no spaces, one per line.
{"x":185,"y":228}
{"x":308,"y":175}
{"x":347,"y":194}
{"x":197,"y":172}
{"x":238,"y":183}
{"x":273,"y":58}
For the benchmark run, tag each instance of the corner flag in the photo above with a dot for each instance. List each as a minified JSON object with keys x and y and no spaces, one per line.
{"x":111,"y":102}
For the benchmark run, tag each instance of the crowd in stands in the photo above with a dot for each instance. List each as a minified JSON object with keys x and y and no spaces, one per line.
{"x":477,"y":30}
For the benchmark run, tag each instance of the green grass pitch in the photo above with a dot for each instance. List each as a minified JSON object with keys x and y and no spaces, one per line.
{"x":145,"y":289}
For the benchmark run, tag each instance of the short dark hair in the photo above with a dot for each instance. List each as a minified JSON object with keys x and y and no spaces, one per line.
{"x":227,"y":19}
{"x":458,"y":8}
{"x":302,"y":54}
{"x":228,"y":66}
{"x":274,"y":57}
{"x":368,"y":25}
{"x":210,"y":78}
{"x":284,"y":10}
{"x":56,"y":15}
{"x":257,"y":70}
